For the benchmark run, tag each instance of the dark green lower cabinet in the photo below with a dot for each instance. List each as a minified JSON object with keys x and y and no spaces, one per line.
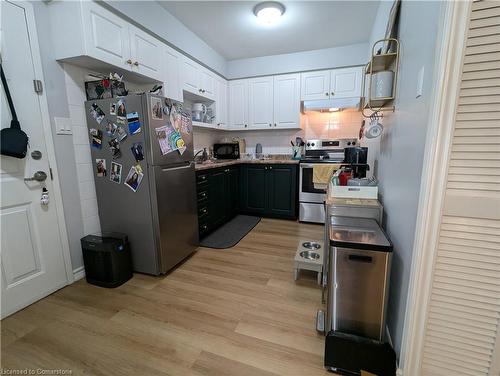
{"x":263,"y":190}
{"x":269,"y":190}
{"x":218,"y":197}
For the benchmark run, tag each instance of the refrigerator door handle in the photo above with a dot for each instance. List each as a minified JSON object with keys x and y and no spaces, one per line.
{"x":177,"y":168}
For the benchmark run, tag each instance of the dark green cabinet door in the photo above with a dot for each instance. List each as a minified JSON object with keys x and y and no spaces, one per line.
{"x":254,"y":189}
{"x":218,"y":200}
{"x":282,"y":190}
{"x":233,"y":191}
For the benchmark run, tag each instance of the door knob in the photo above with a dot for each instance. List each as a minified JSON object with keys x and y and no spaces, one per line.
{"x":39,"y":176}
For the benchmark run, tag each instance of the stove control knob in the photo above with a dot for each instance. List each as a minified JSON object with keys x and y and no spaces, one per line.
{"x":312,"y":144}
{"x":349,"y":143}
{"x":308,"y":144}
{"x":353,"y":143}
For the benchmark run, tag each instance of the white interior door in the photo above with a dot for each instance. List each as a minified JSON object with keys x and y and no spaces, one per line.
{"x":462,"y":326}
{"x":260,"y":102}
{"x":32,"y":261}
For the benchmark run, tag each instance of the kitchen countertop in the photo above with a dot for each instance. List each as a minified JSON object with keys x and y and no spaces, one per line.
{"x":275,"y":159}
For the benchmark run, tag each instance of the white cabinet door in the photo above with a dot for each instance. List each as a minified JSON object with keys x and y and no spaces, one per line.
{"x":315,"y":85}
{"x":346,"y":82}
{"x":221,"y":103}
{"x":207,"y":83}
{"x":146,"y":53}
{"x":287,"y":101}
{"x":106,"y":35}
{"x":260,"y":102}
{"x":171,"y":66}
{"x":190,"y":76}
{"x":238,"y":104}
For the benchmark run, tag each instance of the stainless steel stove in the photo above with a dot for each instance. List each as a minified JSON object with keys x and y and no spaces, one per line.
{"x":311,"y":199}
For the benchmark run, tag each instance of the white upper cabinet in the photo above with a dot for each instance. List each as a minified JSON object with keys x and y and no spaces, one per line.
{"x":197,"y":79}
{"x":260,"y":102}
{"x":221,"y":102}
{"x":207,"y":83}
{"x":146,"y":52}
{"x":238,"y":104}
{"x":172,"y":63}
{"x":106,"y":35}
{"x":315,"y":85}
{"x":331,"y":84}
{"x":287,"y":101}
{"x":190,"y":76}
{"x":346,"y":82}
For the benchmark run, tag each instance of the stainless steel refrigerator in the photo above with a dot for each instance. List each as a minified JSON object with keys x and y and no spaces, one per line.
{"x":158,"y":213}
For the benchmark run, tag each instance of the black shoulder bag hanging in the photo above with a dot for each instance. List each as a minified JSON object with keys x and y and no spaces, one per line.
{"x":14,"y":141}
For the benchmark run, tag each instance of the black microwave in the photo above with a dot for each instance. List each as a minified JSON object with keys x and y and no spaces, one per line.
{"x":227,"y":151}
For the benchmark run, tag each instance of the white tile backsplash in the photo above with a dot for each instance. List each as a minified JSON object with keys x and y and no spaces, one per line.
{"x":77,"y":115}
{"x":80,"y":135}
{"x":82,"y":154}
{"x":85,"y":172}
{"x":91,"y":225}
{"x":89,"y":207}
{"x":87,"y":190}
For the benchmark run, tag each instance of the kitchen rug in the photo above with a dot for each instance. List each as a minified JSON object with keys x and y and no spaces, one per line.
{"x":231,"y":233}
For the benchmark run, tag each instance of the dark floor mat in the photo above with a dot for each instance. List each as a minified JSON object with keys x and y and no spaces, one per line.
{"x":231,"y":233}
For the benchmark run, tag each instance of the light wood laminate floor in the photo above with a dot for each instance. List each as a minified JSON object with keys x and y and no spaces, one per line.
{"x":222,"y":312}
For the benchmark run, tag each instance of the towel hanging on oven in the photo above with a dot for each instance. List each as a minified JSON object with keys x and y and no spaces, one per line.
{"x":14,"y":142}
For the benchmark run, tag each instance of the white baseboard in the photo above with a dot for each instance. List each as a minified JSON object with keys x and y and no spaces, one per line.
{"x":79,"y":273}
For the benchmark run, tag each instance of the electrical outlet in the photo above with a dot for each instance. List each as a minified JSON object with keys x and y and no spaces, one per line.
{"x":420,"y":82}
{"x":63,"y":125}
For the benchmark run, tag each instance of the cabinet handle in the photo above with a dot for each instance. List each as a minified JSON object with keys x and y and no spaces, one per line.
{"x":332,"y":93}
{"x":270,"y":168}
{"x":326,"y":94}
{"x":246,"y":125}
{"x":270,"y":124}
{"x":129,"y":61}
{"x":203,"y":91}
{"x":274,"y":124}
{"x":199,"y":90}
{"x":136,"y":63}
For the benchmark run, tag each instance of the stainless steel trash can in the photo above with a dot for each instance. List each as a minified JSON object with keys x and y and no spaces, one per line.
{"x":358,"y":278}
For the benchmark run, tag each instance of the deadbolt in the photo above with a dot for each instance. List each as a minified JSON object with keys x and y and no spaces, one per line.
{"x":36,"y":154}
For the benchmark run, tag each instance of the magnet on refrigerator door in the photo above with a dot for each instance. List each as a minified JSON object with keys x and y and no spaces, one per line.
{"x":134,"y":125}
{"x":137,"y":151}
{"x":97,"y":113}
{"x":133,"y":179}
{"x":96,"y":135}
{"x":156,"y":109}
{"x":100,"y":166}
{"x":116,"y":173}
{"x":114,"y":147}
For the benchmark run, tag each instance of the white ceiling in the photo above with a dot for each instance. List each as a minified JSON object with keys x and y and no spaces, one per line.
{"x":231,"y":28}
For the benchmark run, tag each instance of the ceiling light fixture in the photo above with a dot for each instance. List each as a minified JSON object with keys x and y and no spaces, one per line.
{"x":269,"y":12}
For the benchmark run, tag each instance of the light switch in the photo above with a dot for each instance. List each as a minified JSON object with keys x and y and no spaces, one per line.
{"x":63,"y":125}
{"x":420,"y":82}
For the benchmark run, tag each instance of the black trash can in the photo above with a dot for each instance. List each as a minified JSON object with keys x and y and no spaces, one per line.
{"x":107,"y":259}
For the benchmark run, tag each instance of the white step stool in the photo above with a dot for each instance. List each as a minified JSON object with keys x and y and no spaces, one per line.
{"x":309,"y":256}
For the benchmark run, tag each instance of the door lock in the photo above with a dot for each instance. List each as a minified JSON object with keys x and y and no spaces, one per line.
{"x":39,"y":176}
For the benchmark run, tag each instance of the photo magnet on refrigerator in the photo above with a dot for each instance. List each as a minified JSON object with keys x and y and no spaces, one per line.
{"x":137,"y":151}
{"x":114,"y":147}
{"x":96,"y":113}
{"x":133,"y":179}
{"x":116,"y":173}
{"x":134,"y":125}
{"x":96,"y":135}
{"x":121,"y":112}
{"x":156,"y":109}
{"x":100,"y":166}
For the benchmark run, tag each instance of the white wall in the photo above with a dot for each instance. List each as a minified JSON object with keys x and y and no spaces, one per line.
{"x":399,"y":164}
{"x":354,"y":54}
{"x":153,"y":17}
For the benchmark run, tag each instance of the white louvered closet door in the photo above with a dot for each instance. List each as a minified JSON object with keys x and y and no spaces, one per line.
{"x":462,"y":327}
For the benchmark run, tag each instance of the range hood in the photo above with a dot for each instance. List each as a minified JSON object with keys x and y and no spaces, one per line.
{"x":331,"y":105}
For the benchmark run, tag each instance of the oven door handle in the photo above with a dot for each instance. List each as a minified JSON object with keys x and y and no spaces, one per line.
{"x":306,"y":165}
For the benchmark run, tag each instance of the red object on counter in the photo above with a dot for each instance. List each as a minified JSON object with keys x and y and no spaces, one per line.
{"x":344,"y":176}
